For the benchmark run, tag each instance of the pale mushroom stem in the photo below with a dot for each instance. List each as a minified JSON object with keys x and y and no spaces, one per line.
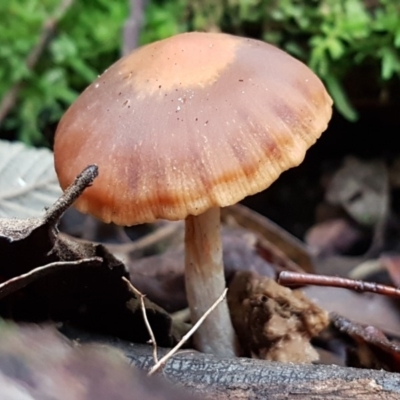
{"x":205,"y":281}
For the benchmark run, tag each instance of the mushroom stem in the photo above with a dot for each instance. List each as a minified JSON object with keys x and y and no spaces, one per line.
{"x":205,"y":281}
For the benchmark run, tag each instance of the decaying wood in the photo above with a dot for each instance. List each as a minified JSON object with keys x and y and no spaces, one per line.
{"x":240,"y":378}
{"x":273,"y":322}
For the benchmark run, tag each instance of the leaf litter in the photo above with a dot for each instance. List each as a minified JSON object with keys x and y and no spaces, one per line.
{"x":28,"y":180}
{"x":51,"y":276}
{"x":48,"y":277}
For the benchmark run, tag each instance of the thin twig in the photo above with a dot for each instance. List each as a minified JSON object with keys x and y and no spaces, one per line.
{"x":288,"y":278}
{"x":82,"y":181}
{"x":21,"y":281}
{"x":164,"y":359}
{"x":135,"y":249}
{"x":160,"y":235}
{"x":49,"y":26}
{"x":146,"y":321}
{"x":133,"y":25}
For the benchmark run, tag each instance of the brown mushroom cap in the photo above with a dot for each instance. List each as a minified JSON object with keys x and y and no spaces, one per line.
{"x":188,"y":123}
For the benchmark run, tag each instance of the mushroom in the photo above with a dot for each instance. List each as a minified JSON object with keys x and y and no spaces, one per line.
{"x":182,"y":127}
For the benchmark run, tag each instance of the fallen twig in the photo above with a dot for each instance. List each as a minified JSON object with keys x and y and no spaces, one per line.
{"x":288,"y":278}
{"x":132,"y":250}
{"x":164,"y":359}
{"x":146,"y":320}
{"x":212,"y":377}
{"x":82,"y":181}
{"x":160,"y":235}
{"x":19,"y":282}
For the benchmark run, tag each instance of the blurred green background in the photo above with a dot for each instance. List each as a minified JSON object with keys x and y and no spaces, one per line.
{"x":353,"y":45}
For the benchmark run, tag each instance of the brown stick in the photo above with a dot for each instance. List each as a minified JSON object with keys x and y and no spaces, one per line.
{"x":23,"y":280}
{"x":288,"y":278}
{"x":9,"y":99}
{"x":73,"y":191}
{"x":133,"y":25}
{"x":145,"y":319}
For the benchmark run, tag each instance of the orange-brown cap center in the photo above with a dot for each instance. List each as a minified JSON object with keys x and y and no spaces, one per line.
{"x":189,"y":60}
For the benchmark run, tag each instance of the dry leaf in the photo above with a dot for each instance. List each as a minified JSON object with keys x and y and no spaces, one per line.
{"x":371,"y":348}
{"x":161,"y":277}
{"x":282,"y":248}
{"x":335,"y":236}
{"x":38,"y":363}
{"x":364,"y":308}
{"x":362,"y":189}
{"x":28,"y":182}
{"x":49,"y":277}
{"x":391,"y":262}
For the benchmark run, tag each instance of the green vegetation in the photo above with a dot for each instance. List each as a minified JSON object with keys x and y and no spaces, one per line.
{"x":332,"y":36}
{"x":86,"y":40}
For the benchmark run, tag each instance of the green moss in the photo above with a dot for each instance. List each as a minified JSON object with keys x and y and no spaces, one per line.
{"x":332,"y":36}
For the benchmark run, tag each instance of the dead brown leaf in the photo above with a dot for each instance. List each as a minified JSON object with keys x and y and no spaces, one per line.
{"x":371,"y":348}
{"x":362,"y":189}
{"x":37,"y":363}
{"x":280,"y":246}
{"x":161,"y":277}
{"x":48,"y":277}
{"x":363,"y":308}
{"x":335,"y":236}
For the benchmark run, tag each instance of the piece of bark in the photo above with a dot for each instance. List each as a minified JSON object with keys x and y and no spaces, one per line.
{"x":241,"y":378}
{"x":273,"y":322}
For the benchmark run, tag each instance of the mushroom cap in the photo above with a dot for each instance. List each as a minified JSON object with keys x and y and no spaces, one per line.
{"x":184,"y":124}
